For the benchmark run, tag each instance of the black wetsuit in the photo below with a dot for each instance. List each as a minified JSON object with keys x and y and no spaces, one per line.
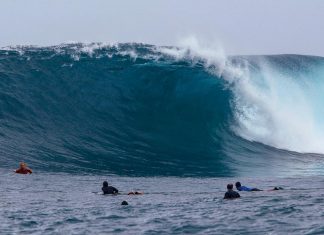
{"x":277,"y":188}
{"x":230,"y":194}
{"x":109,"y":190}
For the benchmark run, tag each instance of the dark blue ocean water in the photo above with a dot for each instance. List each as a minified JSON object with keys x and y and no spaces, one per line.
{"x":176,"y":123}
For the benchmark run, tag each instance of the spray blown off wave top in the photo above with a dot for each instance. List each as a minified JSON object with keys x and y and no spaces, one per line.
{"x":145,"y":110}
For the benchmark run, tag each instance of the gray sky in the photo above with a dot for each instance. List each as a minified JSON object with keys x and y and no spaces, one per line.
{"x":241,"y":26}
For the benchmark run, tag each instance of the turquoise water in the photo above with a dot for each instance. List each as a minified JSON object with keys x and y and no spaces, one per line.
{"x":144,"y":110}
{"x":68,"y":204}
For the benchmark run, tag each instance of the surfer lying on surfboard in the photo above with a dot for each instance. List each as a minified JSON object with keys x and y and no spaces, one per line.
{"x":239,"y":187}
{"x":135,"y":193}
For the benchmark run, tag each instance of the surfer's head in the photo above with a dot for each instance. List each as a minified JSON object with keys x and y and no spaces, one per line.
{"x":230,"y":186}
{"x":124,"y":203}
{"x":22,"y":164}
{"x":238,"y":184}
{"x":105,"y":184}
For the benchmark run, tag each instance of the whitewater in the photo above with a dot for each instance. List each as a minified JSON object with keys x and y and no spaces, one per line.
{"x":178,"y":123}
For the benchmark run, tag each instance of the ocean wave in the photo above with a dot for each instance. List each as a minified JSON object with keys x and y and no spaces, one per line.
{"x":144,"y":109}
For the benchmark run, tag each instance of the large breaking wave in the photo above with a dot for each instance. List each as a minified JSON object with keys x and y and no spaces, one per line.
{"x":145,"y":110}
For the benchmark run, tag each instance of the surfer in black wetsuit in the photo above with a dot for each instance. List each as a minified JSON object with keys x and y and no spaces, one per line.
{"x":231,"y":194}
{"x":108,"y":189}
{"x":275,"y":189}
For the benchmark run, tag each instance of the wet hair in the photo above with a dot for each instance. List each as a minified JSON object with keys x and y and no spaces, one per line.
{"x":105,"y":184}
{"x":230,"y":186}
{"x":238,"y":184}
{"x":124,"y":203}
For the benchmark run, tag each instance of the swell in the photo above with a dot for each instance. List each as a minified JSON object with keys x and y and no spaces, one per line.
{"x":128,"y":109}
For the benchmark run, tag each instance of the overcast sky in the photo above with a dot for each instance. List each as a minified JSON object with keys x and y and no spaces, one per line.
{"x":240,"y":26}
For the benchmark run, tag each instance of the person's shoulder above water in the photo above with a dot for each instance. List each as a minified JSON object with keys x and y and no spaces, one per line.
{"x":231,"y":194}
{"x":106,"y":189}
{"x":23,"y":169}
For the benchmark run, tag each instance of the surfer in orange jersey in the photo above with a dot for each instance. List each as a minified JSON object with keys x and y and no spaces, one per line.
{"x":23,"y":169}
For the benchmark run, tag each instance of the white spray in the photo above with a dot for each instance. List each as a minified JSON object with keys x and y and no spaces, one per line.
{"x":270,"y":107}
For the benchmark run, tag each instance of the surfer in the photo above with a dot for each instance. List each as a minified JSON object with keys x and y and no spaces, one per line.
{"x":108,"y":189}
{"x":231,"y":194}
{"x":239,"y":187}
{"x":135,"y":193}
{"x":23,"y":169}
{"x":276,"y":188}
